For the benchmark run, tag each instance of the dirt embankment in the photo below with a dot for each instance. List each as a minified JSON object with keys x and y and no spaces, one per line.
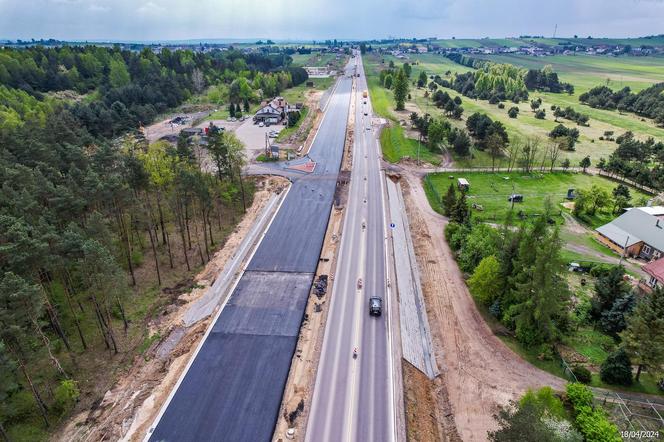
{"x":129,"y":408}
{"x":479,"y":372}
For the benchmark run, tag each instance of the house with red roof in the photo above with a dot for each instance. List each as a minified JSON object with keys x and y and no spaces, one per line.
{"x":655,"y":271}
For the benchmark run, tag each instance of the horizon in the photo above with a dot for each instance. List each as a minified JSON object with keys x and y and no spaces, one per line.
{"x":289,"y":20}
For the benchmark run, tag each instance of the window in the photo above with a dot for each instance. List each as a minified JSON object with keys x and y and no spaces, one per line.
{"x":646,"y":249}
{"x":652,"y":282}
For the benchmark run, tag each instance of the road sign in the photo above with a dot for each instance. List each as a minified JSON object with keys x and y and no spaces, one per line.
{"x":392,"y":225}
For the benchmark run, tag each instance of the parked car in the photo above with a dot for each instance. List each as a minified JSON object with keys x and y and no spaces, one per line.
{"x":261,"y":124}
{"x":375,"y":306}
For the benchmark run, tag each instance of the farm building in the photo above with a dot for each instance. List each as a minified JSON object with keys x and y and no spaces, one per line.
{"x":463,"y":184}
{"x":636,"y":233}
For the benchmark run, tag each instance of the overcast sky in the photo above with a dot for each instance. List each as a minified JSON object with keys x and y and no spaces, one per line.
{"x":322,"y":19}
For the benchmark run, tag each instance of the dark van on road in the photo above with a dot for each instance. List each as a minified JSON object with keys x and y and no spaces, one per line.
{"x":375,"y":306}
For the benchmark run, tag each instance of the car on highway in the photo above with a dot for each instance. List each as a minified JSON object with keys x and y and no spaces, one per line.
{"x":359,"y":283}
{"x":375,"y":306}
{"x":365,"y":113}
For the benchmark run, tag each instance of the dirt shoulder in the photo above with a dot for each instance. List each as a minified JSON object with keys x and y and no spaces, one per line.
{"x":131,"y":405}
{"x":479,"y":372}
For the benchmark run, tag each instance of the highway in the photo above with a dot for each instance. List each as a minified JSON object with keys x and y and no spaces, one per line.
{"x":232,"y":388}
{"x":353,"y":398}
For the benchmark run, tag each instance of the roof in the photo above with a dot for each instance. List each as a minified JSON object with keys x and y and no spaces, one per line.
{"x":634,"y":226}
{"x":618,"y":235}
{"x":655,"y":268}
{"x":463,"y":182}
{"x":652,"y":210}
{"x":268,"y":110}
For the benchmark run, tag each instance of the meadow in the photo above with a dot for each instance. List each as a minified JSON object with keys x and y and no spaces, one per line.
{"x":491,"y":191}
{"x":584,"y":72}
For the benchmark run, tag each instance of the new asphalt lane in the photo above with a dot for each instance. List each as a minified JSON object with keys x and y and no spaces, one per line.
{"x":232,"y":391}
{"x":352,"y":398}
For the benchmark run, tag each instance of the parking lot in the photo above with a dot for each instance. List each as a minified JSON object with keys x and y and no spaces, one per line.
{"x":253,"y":136}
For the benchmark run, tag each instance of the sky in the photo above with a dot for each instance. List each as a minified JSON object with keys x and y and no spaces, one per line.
{"x":122,"y":20}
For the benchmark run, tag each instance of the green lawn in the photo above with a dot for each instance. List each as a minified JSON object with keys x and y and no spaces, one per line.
{"x":298,"y":93}
{"x":288,"y":131}
{"x":491,"y":190}
{"x":394,"y":143}
{"x":396,"y":146}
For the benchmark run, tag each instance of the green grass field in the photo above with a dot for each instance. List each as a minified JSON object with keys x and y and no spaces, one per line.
{"x":582,"y":71}
{"x":394,"y":143}
{"x":396,"y":146}
{"x":297,"y":94}
{"x":512,"y":42}
{"x":491,"y":191}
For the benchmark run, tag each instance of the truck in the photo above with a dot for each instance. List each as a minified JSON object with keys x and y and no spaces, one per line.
{"x":365,"y":94}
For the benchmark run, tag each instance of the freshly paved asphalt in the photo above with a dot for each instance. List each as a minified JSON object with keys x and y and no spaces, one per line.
{"x":352,"y":399}
{"x":233,"y":389}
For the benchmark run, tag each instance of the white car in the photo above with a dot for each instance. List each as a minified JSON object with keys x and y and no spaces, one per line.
{"x":261,"y":124}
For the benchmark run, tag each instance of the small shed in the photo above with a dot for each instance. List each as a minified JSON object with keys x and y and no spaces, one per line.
{"x":463,"y":184}
{"x":274,"y":151}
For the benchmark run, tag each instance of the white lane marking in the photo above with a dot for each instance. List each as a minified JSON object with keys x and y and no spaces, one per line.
{"x":346,"y":236}
{"x":351,"y":415}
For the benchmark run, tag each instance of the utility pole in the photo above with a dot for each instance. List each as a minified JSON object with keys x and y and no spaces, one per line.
{"x":622,"y":255}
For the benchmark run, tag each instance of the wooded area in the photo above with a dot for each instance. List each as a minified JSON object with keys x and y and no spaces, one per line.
{"x":93,"y":218}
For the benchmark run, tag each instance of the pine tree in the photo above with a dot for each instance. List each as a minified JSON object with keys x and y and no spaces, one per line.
{"x":644,"y":336}
{"x":460,"y":212}
{"x":449,"y":200}
{"x":400,"y":86}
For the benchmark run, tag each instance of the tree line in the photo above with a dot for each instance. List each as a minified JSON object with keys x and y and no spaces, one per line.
{"x":648,"y":103}
{"x":498,"y":82}
{"x":640,"y":161}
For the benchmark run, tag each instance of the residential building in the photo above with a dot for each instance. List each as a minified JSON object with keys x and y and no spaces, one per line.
{"x":655,"y":271}
{"x":635,"y":233}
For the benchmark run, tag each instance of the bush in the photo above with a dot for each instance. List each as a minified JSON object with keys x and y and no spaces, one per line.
{"x":501,"y":105}
{"x":513,"y":112}
{"x":540,"y":114}
{"x":546,"y":399}
{"x":455,"y":234}
{"x":595,"y":426}
{"x":66,"y":395}
{"x":485,"y":281}
{"x":582,"y":374}
{"x":617,"y":369}
{"x":599,"y":270}
{"x":579,"y":395}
